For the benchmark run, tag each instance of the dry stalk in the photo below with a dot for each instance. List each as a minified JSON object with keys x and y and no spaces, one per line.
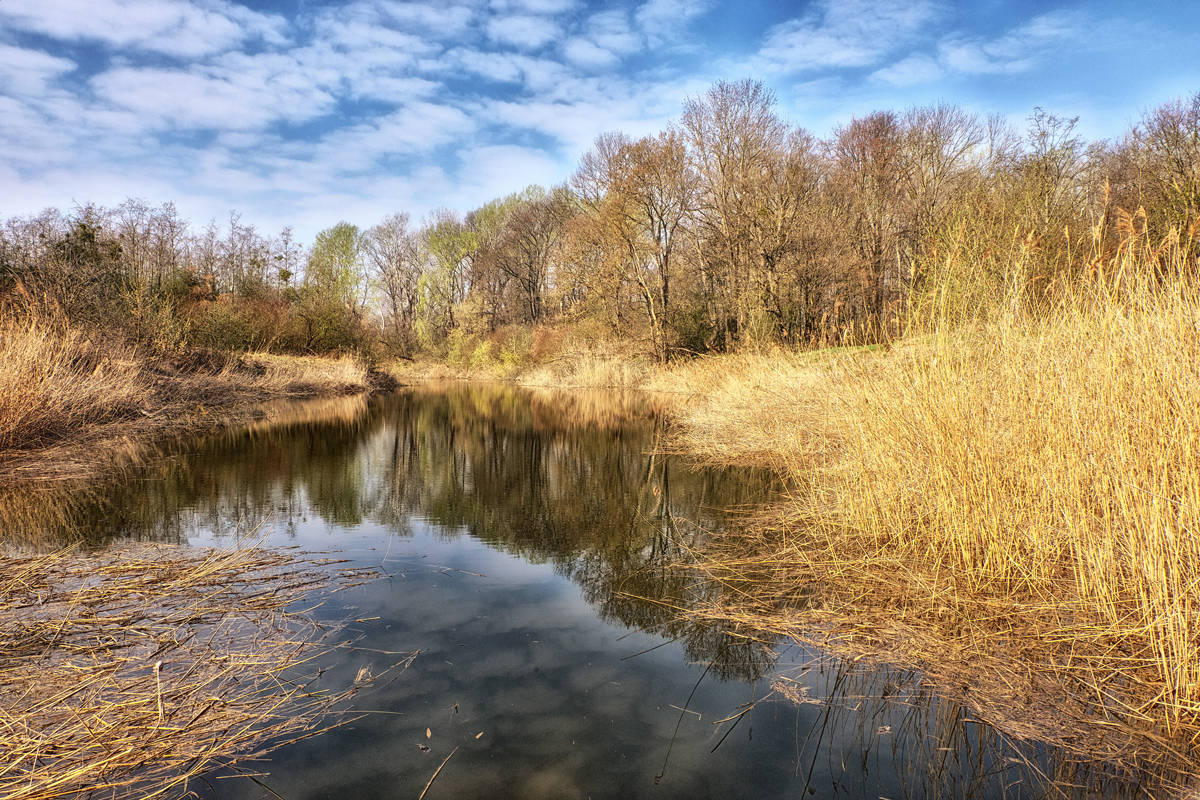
{"x":133,"y":671}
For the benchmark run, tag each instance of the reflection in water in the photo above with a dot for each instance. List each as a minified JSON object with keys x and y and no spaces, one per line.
{"x":465,"y":495}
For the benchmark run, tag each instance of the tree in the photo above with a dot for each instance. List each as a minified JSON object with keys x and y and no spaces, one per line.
{"x":336,"y":267}
{"x":1168,"y":139}
{"x":735,"y":136}
{"x":394,"y":252}
{"x":523,"y":248}
{"x":643,"y":191}
{"x":869,"y":176}
{"x":450,"y":245}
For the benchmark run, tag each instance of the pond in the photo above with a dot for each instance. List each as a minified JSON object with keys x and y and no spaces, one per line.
{"x":529,"y":546}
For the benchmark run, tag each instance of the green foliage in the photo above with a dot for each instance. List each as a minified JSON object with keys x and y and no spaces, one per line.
{"x":221,"y":327}
{"x":481,"y":357}
{"x":324,"y":324}
{"x":336,"y":267}
{"x":459,"y":346}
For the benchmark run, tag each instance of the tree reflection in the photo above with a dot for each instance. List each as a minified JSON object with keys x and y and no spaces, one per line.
{"x":576,"y":480}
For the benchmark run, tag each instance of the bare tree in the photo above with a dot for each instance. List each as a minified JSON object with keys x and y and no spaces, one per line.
{"x":869,"y":175}
{"x":524,"y":250}
{"x":735,"y":137}
{"x":643,"y":192}
{"x":394,"y":252}
{"x":1168,"y":139}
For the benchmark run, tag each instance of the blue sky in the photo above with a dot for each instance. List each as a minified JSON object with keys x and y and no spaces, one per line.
{"x":307,"y":112}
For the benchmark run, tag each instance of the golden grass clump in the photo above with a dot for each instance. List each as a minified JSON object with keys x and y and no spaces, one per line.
{"x":590,"y":371}
{"x":132,"y":671}
{"x":303,"y":374}
{"x":1027,"y":488}
{"x":52,"y":383}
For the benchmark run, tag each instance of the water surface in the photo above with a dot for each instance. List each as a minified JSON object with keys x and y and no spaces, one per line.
{"x":529,"y":545}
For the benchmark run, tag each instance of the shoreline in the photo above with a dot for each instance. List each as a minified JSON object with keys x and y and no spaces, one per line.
{"x":191,"y":394}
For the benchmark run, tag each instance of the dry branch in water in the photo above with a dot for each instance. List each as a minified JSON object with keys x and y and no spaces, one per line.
{"x":133,"y":671}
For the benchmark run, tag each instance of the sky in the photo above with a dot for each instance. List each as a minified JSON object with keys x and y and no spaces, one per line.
{"x":309,"y":112}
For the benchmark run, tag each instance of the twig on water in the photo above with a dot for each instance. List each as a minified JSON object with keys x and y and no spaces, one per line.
{"x":435,"y":774}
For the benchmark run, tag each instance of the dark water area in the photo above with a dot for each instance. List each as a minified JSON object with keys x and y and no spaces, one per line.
{"x":529,"y":544}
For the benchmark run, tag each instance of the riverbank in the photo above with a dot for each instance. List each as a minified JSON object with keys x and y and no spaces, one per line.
{"x":69,"y":406}
{"x":1011,"y":508}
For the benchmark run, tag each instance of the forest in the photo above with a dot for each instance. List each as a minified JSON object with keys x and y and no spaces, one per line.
{"x":729,"y":231}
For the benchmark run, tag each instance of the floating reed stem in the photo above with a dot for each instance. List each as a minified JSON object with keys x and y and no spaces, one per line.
{"x":132,"y":671}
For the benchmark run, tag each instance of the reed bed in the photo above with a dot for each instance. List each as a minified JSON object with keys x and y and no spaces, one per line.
{"x":131,"y":672}
{"x":1011,"y":505}
{"x":69,"y":407}
{"x":54,"y":381}
{"x":303,"y":375}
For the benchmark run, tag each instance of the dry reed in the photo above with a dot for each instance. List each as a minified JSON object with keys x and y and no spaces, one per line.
{"x":54,"y":382}
{"x":130,"y":672}
{"x":1012,"y":505}
{"x":67,"y":403}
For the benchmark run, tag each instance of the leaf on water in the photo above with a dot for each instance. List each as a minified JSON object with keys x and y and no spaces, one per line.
{"x":423,"y":748}
{"x":428,"y":733}
{"x":479,"y":734}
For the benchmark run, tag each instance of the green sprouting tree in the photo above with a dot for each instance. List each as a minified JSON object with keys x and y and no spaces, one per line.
{"x":337,"y":267}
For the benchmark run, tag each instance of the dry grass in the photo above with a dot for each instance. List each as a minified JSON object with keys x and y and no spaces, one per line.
{"x":591,"y":373}
{"x":1016,"y":502}
{"x":131,"y":672}
{"x":67,"y":404}
{"x":307,"y":375}
{"x":582,"y":369}
{"x":54,"y":382}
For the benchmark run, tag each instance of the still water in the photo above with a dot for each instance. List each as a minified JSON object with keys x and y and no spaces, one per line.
{"x":529,"y":546}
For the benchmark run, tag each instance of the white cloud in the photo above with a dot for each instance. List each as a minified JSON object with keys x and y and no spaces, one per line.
{"x":527,"y":33}
{"x":605,"y":39}
{"x":580,"y":109}
{"x":665,"y":19}
{"x":917,"y":68}
{"x":29,"y":72}
{"x":610,"y":30}
{"x":538,"y":6}
{"x":535,"y":74}
{"x":215,"y":98}
{"x":172,"y":27}
{"x":844,"y":33}
{"x":583,"y":53}
{"x":1015,"y":52}
{"x":416,"y":128}
{"x":497,"y":170}
{"x":438,"y":21}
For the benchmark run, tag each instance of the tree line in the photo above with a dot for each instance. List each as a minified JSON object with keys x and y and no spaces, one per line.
{"x":729,"y":229}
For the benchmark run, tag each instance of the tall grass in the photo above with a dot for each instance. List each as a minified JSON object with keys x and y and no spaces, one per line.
{"x":52,"y":382}
{"x":1049,"y":461}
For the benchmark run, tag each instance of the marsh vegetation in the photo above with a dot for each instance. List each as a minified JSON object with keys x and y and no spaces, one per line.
{"x":970,"y":349}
